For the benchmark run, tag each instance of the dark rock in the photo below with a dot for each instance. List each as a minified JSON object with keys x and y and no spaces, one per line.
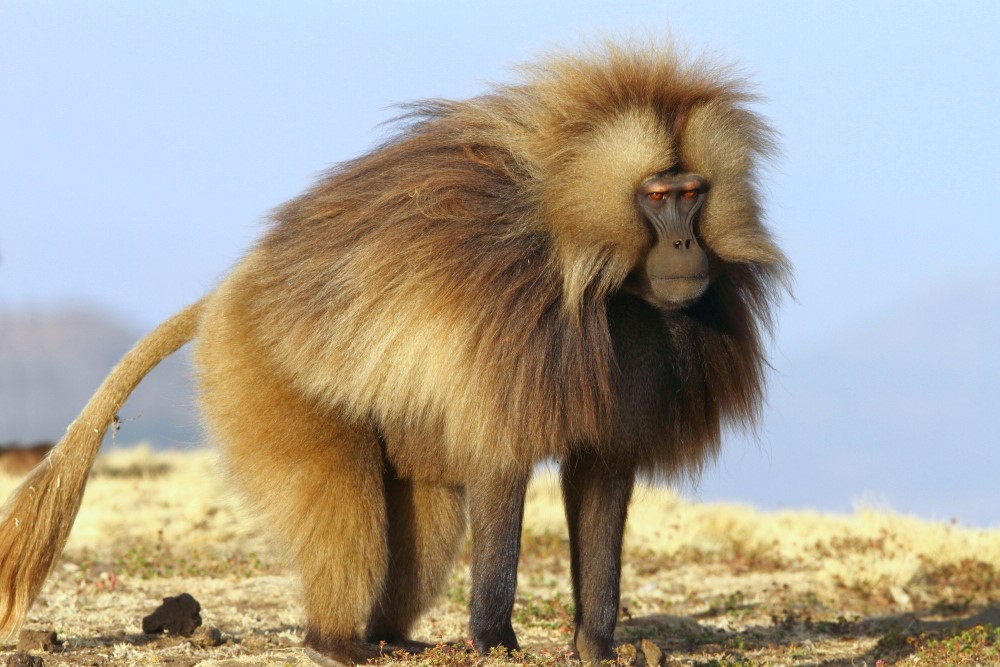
{"x":23,"y":660}
{"x":176,"y":616}
{"x":207,"y":637}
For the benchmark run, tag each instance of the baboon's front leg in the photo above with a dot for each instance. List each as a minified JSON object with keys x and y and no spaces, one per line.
{"x":596,"y":495}
{"x":496,"y":509}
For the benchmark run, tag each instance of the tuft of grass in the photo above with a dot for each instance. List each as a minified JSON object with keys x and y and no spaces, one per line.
{"x":157,"y":560}
{"x":739,"y":661}
{"x":739,"y":556}
{"x":839,"y":546}
{"x":978,"y":645}
{"x":951,"y":588}
{"x":456,"y":655}
{"x":544,"y":544}
{"x":552,"y":613}
{"x":731,"y":604}
{"x":458,"y":587}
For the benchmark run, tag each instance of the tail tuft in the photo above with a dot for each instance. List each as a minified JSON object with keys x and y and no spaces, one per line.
{"x":36,"y":519}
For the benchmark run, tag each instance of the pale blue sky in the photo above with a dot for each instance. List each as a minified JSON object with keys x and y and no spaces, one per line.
{"x":142,"y":143}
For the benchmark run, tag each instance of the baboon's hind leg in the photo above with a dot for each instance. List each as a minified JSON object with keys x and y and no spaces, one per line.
{"x":426,"y":525}
{"x":316,"y":480}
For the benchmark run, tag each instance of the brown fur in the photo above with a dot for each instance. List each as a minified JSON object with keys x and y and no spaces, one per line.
{"x":435,"y":317}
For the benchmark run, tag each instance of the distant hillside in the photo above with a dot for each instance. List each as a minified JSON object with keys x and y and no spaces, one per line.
{"x":51,"y":361}
{"x":905,"y":411}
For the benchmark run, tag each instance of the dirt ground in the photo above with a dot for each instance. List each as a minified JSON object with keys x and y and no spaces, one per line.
{"x":705,"y":585}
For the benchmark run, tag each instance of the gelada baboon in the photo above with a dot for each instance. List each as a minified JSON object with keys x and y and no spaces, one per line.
{"x":569,"y":267}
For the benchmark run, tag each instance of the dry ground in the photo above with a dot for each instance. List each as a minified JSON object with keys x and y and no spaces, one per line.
{"x":710,"y":585}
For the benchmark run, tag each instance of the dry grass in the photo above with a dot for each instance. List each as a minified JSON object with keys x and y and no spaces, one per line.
{"x":711,"y":585}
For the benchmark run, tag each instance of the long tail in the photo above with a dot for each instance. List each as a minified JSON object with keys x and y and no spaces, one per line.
{"x":36,"y":520}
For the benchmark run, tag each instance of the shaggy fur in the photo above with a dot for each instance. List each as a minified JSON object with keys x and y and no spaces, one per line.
{"x":433,"y":318}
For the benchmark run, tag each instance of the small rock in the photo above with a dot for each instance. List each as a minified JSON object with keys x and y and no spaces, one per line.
{"x":652,"y":652}
{"x":207,"y":637}
{"x":627,"y":654}
{"x":176,"y":616}
{"x":37,"y":640}
{"x":23,"y":660}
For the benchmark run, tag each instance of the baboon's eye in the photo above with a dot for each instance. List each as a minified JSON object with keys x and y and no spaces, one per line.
{"x":655,"y":196}
{"x":690,"y":195}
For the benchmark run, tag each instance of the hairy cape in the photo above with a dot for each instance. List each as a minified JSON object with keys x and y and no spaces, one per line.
{"x":468,"y":295}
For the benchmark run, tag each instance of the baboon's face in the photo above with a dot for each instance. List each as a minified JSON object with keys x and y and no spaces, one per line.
{"x":675,"y":272}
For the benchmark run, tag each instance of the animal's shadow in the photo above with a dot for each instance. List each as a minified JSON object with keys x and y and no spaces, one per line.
{"x":893,"y":632}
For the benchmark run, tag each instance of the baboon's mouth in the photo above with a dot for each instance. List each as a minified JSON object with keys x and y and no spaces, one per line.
{"x":700,"y":278}
{"x":678,"y":291}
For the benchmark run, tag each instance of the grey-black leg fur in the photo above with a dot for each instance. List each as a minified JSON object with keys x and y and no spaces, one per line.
{"x":596,"y":495}
{"x":496,"y":510}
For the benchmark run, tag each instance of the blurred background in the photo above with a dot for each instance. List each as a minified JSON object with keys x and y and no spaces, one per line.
{"x":143,"y":144}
